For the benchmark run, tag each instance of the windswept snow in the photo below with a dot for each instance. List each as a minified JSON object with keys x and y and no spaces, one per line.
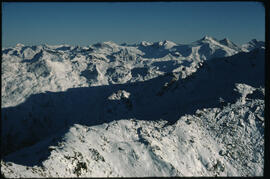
{"x":146,"y":109}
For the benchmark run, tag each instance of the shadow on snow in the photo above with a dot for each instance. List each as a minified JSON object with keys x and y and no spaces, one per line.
{"x":46,"y":117}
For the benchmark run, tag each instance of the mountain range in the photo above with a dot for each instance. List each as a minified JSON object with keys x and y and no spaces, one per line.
{"x":145,"y":109}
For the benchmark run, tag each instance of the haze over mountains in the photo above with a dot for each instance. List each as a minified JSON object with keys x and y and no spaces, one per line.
{"x":146,"y":109}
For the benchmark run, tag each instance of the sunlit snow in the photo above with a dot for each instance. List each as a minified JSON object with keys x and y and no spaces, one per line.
{"x":133,"y":110}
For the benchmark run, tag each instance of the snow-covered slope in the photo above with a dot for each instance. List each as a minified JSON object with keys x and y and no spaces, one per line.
{"x":223,"y":142}
{"x":148,"y":109}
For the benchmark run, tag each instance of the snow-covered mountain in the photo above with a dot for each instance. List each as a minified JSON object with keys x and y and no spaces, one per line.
{"x":146,"y":109}
{"x":229,"y":44}
{"x":252,"y":45}
{"x":29,"y":70}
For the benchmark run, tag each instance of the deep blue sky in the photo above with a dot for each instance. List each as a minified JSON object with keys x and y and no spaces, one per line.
{"x":131,"y":22}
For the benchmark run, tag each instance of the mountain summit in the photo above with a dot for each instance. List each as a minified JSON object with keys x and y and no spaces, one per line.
{"x":229,"y":44}
{"x":252,"y":45}
{"x":208,"y":38}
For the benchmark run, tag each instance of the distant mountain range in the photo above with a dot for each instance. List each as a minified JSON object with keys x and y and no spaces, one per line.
{"x":103,"y":63}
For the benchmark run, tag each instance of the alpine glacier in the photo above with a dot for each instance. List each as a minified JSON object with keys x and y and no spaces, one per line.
{"x":145,"y":109}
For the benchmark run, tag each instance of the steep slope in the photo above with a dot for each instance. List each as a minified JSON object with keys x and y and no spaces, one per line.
{"x":176,"y":118}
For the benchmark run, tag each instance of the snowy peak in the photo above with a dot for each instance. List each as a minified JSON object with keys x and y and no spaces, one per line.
{"x":209,"y":47}
{"x":252,"y":45}
{"x":104,"y":45}
{"x":110,"y":43}
{"x":207,"y":39}
{"x":19,"y":45}
{"x":145,"y":43}
{"x":62,"y":47}
{"x":254,"y":41}
{"x":168,"y":44}
{"x":165,"y":44}
{"x":221,"y":43}
{"x":225,"y":41}
{"x":229,"y":44}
